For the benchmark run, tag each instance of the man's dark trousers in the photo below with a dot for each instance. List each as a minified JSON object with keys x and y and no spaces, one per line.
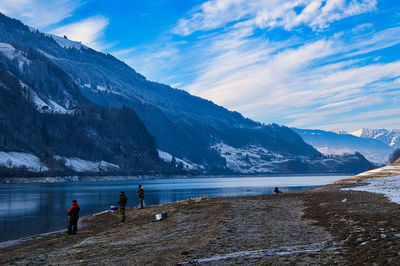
{"x":73,"y":225}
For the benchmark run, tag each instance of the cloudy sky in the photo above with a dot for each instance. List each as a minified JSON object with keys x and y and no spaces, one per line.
{"x":328,"y":64}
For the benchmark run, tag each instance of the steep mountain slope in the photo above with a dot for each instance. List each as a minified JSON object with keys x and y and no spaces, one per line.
{"x":87,"y":132}
{"x":389,"y":137}
{"x":44,"y":117}
{"x":333,"y":143}
{"x":59,"y":74}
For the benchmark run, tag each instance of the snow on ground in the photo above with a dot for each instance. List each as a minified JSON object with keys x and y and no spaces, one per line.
{"x":388,"y":170}
{"x":389,"y":186}
{"x":81,"y":165}
{"x":56,"y":107}
{"x":44,"y":107}
{"x":250,"y":159}
{"x":282,"y":251}
{"x":65,"y":43}
{"x":101,"y":88}
{"x":166,"y":157}
{"x":8,"y":50}
{"x":20,"y":159}
{"x":41,"y":105}
{"x":11,"y":53}
{"x":38,"y":102}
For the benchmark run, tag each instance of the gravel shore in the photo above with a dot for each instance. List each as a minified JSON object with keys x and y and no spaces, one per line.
{"x":322,"y":225}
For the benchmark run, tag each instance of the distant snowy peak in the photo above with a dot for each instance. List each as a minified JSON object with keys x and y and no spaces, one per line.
{"x":339,"y":132}
{"x":370,"y":133}
{"x":357,"y":133}
{"x":328,"y":142}
{"x":389,"y":137}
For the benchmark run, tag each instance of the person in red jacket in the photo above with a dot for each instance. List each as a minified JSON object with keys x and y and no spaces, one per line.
{"x":73,"y":214}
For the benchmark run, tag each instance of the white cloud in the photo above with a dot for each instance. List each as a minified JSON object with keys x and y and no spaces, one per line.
{"x":329,"y":79}
{"x":87,"y":31}
{"x":263,"y":14}
{"x":123,"y":52}
{"x":39,"y":13}
{"x":47,"y":15}
{"x":301,"y":84}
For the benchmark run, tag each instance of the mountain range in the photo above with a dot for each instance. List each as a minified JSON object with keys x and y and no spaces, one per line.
{"x":389,"y":137}
{"x":64,"y":102}
{"x":328,"y":142}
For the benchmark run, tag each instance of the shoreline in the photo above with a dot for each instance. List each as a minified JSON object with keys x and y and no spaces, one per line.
{"x":326,"y":225}
{"x":22,"y":240}
{"x":62,"y":179}
{"x":81,"y":220}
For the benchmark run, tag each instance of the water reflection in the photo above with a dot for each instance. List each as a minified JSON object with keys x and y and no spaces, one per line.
{"x":29,"y":209}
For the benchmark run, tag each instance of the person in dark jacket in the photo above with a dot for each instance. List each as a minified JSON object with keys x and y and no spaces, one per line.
{"x":276,"y":190}
{"x":73,"y":214}
{"x":122,"y":200}
{"x":140,"y":194}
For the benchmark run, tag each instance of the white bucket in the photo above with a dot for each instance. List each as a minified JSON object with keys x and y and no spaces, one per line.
{"x":158,"y":216}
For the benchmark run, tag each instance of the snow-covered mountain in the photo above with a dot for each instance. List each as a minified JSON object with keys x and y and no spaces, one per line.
{"x":46,"y":124}
{"x":328,"y":142}
{"x":59,"y":76}
{"x":390,"y":137}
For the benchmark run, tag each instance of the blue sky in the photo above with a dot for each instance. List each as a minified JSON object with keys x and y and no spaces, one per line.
{"x":332,"y":64}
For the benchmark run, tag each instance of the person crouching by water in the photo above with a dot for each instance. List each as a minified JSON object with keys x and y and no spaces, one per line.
{"x":122,"y":200}
{"x":140,"y":194}
{"x":73,"y":214}
{"x":276,"y":190}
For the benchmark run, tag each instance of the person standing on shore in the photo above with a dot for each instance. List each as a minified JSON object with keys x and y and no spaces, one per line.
{"x":73,"y":214}
{"x":140,"y":194}
{"x":122,"y":200}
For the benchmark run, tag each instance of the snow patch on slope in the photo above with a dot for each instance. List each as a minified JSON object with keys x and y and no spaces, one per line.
{"x":56,"y":107}
{"x":42,"y":106}
{"x":65,"y":43}
{"x":101,"y":88}
{"x":250,"y":159}
{"x":388,"y":170}
{"x":11,"y":53}
{"x":389,"y":186}
{"x":166,"y":157}
{"x":21,"y":159}
{"x":81,"y":165}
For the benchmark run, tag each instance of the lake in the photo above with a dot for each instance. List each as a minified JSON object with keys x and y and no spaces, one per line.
{"x":35,"y":208}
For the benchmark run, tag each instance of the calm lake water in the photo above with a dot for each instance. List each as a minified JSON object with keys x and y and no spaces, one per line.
{"x":30,"y":209}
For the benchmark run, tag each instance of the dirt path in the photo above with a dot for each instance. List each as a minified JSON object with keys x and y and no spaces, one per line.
{"x":266,"y":230}
{"x":316,"y":226}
